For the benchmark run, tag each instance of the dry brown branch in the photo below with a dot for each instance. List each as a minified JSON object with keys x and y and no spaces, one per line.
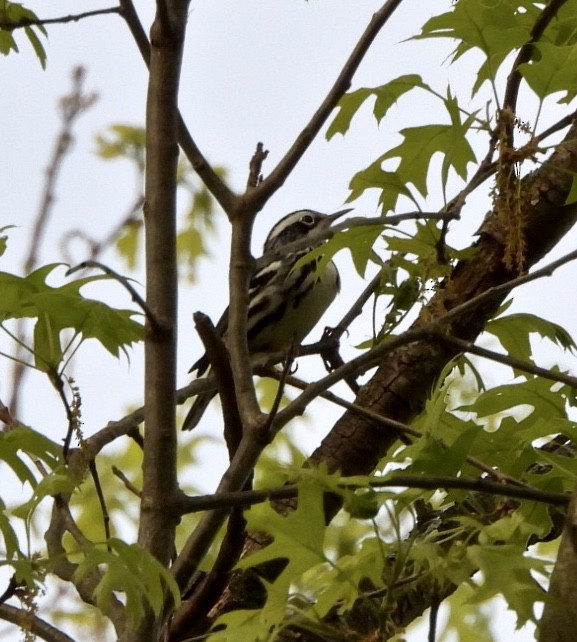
{"x":71,"y":107}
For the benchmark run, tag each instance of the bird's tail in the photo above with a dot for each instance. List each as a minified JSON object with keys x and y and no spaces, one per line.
{"x":197,"y":410}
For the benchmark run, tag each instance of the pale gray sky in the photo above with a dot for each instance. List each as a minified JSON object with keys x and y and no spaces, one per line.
{"x":253,"y":71}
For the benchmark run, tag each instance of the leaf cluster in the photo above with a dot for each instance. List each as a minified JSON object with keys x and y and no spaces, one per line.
{"x":386,"y":548}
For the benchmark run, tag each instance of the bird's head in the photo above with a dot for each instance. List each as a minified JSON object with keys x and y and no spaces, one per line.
{"x":298,"y":225}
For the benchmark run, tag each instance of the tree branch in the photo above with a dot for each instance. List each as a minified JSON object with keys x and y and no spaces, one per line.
{"x":158,"y":518}
{"x":424,"y":482}
{"x":28,"y":22}
{"x":559,"y":619}
{"x":125,"y":282}
{"x":401,"y":385}
{"x":28,"y":621}
{"x":218,"y":188}
{"x":280,"y":173}
{"x":61,"y":522}
{"x":218,"y":356}
{"x":71,"y":107}
{"x":524,"y":55}
{"x":518,"y":364}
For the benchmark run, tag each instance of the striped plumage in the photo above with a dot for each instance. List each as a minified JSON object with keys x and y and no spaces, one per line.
{"x":284,"y":304}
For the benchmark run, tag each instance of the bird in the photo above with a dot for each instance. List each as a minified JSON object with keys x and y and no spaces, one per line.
{"x":284,"y":303}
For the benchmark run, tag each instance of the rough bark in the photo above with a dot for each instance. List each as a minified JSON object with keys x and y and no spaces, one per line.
{"x":400,"y":387}
{"x":158,"y":518}
{"x":559,"y":621}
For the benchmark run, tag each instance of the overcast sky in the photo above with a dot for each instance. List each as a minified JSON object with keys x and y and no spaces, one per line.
{"x":253,"y":71}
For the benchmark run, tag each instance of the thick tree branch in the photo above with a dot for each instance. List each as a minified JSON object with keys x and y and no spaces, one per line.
{"x":30,"y":622}
{"x":559,"y":620}
{"x":158,"y":518}
{"x":400,"y":386}
{"x":406,"y":374}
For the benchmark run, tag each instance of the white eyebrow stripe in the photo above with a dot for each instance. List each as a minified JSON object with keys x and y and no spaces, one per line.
{"x":287,"y":221}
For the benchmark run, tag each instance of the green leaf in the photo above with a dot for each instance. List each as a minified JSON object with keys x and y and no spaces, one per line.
{"x":190,"y":245}
{"x":358,"y":240}
{"x":507,"y":572}
{"x":133,"y":571}
{"x":348,"y":106}
{"x":555,"y":70}
{"x":128,"y":244}
{"x":391,"y":185}
{"x":299,"y":538}
{"x":36,"y":45}
{"x":572,"y":196}
{"x":47,"y":348}
{"x":11,"y":544}
{"x":336,"y":586}
{"x":543,"y":397}
{"x":22,"y":440}
{"x":514,"y":331}
{"x":7,"y":43}
{"x":51,"y":485}
{"x":466,"y":622}
{"x":122,"y":141}
{"x":362,"y":505}
{"x":3,"y":241}
{"x":495,"y":27}
{"x":59,"y":308}
{"x":385,"y":97}
{"x":417,"y":254}
{"x":12,"y":15}
{"x":420,"y":144}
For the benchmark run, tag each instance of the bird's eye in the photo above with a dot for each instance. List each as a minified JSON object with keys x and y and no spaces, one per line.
{"x":308,"y":219}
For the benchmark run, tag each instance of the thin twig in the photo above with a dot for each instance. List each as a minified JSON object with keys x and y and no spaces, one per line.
{"x":124,"y":479}
{"x":58,"y":383}
{"x":518,"y":364}
{"x":504,"y":288}
{"x":558,"y":126}
{"x":404,"y":431}
{"x":71,"y":107}
{"x":124,"y":281}
{"x":101,"y":498}
{"x":356,"y":309}
{"x":8,"y":24}
{"x":221,"y":501}
{"x":343,"y":82}
{"x":284,"y":374}
{"x":524,"y":55}
{"x":255,"y":166}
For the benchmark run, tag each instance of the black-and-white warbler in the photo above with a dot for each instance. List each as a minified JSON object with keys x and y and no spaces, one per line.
{"x":284,"y":304}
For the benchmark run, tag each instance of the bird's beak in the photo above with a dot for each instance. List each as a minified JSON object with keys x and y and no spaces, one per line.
{"x":337,"y":215}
